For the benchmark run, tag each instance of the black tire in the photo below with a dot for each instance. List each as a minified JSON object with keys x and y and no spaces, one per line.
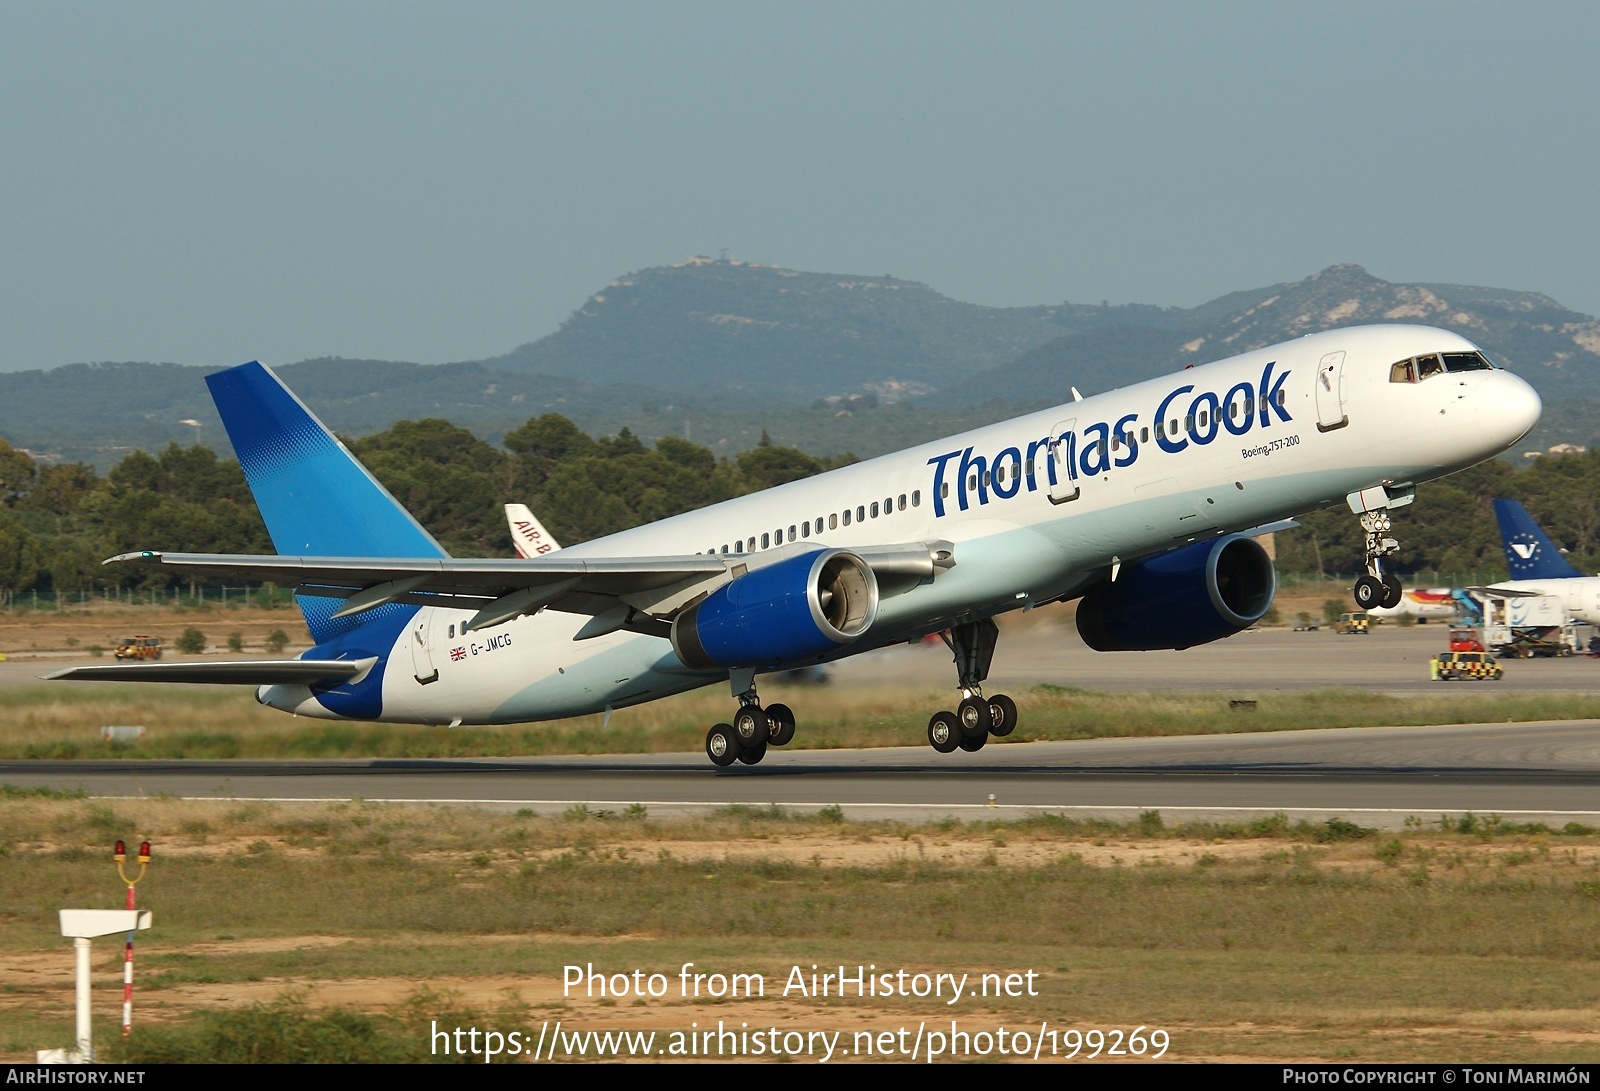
{"x":750,"y":727}
{"x":1393,"y":591}
{"x":973,"y":745}
{"x":1368,"y":592}
{"x":752,"y":755}
{"x":722,"y":745}
{"x":974,"y":717}
{"x":1003,"y":711}
{"x":780,"y":724}
{"x":944,"y":732}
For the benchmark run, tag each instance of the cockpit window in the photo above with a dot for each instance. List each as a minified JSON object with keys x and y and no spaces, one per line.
{"x":1465,"y":361}
{"x":1403,"y":372}
{"x":1429,"y":366}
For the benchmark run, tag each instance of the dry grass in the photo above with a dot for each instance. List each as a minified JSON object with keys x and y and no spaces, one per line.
{"x":1267,"y":942}
{"x":48,"y":721}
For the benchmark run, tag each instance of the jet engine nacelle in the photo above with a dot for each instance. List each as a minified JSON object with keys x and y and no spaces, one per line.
{"x":787,"y":612}
{"x":1193,"y":595}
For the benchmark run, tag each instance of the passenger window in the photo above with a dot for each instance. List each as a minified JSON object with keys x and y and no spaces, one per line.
{"x":791,"y":533}
{"x":777,"y":536}
{"x":944,"y":490}
{"x":1249,"y":404}
{"x":861,"y":513}
{"x":452,"y":632}
{"x":874,"y":509}
{"x":1428,"y":366}
{"x":846,"y":516}
{"x":1116,"y":442}
{"x":1403,"y":372}
{"x":916,"y":498}
{"x":1282,"y":397}
{"x":763,"y":541}
{"x":833,"y":522}
{"x":805,"y":529}
{"x":724,"y":547}
{"x":972,"y":483}
{"x":902,"y":501}
{"x":1144,"y":435}
{"x":1188,"y":423}
{"x":752,"y":548}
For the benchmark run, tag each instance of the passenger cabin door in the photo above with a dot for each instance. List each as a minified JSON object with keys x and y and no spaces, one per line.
{"x":1061,"y":475}
{"x":1330,"y":393}
{"x":422,"y":664}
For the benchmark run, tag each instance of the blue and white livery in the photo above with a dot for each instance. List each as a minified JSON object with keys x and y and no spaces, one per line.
{"x":1140,"y":501}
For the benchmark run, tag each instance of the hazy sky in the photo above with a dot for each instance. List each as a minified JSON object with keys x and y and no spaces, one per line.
{"x":212,"y":183}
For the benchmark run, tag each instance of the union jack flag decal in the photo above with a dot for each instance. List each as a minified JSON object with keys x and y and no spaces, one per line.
{"x":457,"y":654}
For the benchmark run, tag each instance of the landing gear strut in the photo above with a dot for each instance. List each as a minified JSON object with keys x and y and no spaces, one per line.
{"x":753,"y":728}
{"x":977,"y":717}
{"x":1379,"y":586}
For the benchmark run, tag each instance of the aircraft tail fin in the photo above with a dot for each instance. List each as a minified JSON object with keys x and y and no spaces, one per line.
{"x":315,"y":498}
{"x":528,"y":534}
{"x":1530,"y":555}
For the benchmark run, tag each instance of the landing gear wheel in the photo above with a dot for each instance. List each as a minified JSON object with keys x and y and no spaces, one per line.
{"x":722,"y":745}
{"x":944,"y":732}
{"x":752,"y":755}
{"x":1392,"y":591}
{"x":1368,"y":592}
{"x":750,"y":726}
{"x":973,"y":716}
{"x":973,"y":745}
{"x":1003,"y":713}
{"x":780,"y":724}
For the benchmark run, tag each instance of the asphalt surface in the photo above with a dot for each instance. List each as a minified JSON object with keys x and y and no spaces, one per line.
{"x":1379,"y":777}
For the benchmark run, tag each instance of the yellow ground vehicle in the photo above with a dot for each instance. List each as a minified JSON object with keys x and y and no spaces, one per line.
{"x":1352,"y":624}
{"x":140,"y":647}
{"x":1447,"y":666}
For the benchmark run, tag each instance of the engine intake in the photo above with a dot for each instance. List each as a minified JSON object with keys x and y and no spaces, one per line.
{"x":788,"y":612}
{"x":1188,"y":596}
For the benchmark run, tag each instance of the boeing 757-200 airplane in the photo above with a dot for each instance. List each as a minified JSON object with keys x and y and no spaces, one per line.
{"x":1140,"y":501}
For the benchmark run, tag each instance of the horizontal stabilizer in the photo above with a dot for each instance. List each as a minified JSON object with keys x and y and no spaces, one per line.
{"x":259,"y":672}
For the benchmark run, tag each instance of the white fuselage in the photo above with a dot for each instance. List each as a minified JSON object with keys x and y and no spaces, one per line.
{"x":1242,"y":442}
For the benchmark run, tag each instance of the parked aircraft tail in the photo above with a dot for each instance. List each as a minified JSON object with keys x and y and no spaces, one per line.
{"x":1530,"y":555}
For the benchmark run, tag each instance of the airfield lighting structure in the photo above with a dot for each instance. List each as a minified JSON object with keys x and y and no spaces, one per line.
{"x":121,"y":856}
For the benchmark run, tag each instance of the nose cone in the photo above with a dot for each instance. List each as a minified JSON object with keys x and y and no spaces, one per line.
{"x":1508,"y":408}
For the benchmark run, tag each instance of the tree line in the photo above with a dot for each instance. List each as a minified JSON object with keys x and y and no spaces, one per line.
{"x":59,"y":521}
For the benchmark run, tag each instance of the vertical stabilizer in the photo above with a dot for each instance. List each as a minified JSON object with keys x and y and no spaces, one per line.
{"x":1530,"y":555}
{"x":315,"y":498}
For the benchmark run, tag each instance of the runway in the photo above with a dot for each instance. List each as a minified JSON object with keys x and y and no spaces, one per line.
{"x":1380,"y":777}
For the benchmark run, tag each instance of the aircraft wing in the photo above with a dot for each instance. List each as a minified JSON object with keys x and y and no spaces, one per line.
{"x":617,"y":592}
{"x":258,"y":672}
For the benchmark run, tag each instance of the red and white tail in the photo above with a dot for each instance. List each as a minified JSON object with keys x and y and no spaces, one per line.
{"x":528,"y":534}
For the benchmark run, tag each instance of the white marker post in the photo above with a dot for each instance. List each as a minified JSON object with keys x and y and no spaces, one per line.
{"x":83,"y":925}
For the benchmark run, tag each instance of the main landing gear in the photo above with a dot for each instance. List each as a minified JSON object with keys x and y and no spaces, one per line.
{"x":1378,"y":587}
{"x":753,"y":730}
{"x":977,"y":717}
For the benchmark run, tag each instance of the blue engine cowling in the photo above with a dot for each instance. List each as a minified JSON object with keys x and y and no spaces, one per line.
{"x":1193,"y":595}
{"x":787,"y":612}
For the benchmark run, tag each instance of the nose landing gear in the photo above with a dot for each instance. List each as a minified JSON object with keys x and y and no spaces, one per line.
{"x":1378,"y":587}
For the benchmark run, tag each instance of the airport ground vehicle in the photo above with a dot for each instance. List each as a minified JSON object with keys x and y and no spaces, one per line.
{"x":1478,"y":666}
{"x":140,"y":647}
{"x":1355,"y":624}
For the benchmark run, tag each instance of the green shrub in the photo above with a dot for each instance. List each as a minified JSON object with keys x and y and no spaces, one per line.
{"x":236,"y":642}
{"x":277,"y":640}
{"x":192,"y":642}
